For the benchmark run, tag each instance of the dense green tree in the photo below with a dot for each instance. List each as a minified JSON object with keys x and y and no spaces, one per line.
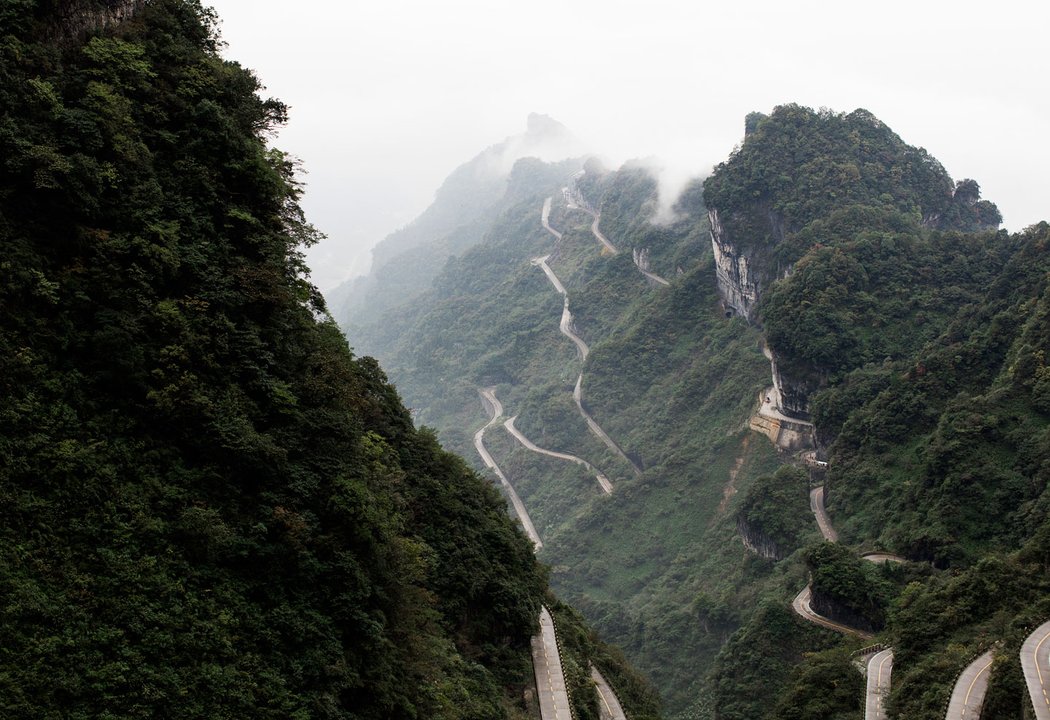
{"x":209,"y":506}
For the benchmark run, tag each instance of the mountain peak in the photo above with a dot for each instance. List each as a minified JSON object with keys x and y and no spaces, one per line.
{"x":545,"y":125}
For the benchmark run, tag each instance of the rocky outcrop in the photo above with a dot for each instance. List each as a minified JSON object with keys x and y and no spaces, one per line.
{"x":641,"y":259}
{"x":786,"y":435}
{"x":738,"y":281}
{"x":834,"y":611}
{"x":783,"y":412}
{"x":794,"y":388}
{"x":77,"y":17}
{"x":756,"y":541}
{"x":744,"y":268}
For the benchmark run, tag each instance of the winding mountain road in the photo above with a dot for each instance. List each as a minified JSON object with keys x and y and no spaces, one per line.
{"x":641,"y":261}
{"x":652,"y":276}
{"x":550,"y":681}
{"x":968,"y":694}
{"x":608,"y":704}
{"x":598,"y":233}
{"x":566,"y":328}
{"x":802,"y":602}
{"x":1035,"y":662}
{"x":495,"y":408}
{"x":575,"y":200}
{"x":565,"y":325}
{"x":880,"y":667}
{"x":816,"y":504}
{"x":802,"y":606}
{"x":545,"y":216}
{"x":603,"y":481}
{"x":577,"y":395}
{"x":972,"y":684}
{"x":769,"y":408}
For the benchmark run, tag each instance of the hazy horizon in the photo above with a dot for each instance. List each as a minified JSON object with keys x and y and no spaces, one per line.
{"x":387,"y":99}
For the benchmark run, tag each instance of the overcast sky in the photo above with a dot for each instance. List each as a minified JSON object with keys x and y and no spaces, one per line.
{"x":387,"y":97}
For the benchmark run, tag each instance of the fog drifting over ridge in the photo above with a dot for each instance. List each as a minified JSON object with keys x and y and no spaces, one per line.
{"x":388,"y":98}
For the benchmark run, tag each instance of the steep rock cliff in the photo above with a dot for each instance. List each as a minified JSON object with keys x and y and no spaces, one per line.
{"x":744,"y":267}
{"x":75,"y":17}
{"x":838,"y":612}
{"x":794,"y":385}
{"x":846,"y":189}
{"x":756,"y":541}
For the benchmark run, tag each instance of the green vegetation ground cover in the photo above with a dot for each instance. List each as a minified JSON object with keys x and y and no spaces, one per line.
{"x":936,"y":448}
{"x":924,"y":327}
{"x":210,"y":507}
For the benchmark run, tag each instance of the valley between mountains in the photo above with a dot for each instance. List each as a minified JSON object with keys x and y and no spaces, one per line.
{"x":632,"y":364}
{"x":778,"y":451}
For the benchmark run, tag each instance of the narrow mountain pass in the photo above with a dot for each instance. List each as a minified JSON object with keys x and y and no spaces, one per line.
{"x":575,"y":201}
{"x":495,"y":409}
{"x":652,"y":276}
{"x":802,"y":602}
{"x":601,"y":236}
{"x":603,"y":481}
{"x":550,"y":680}
{"x":968,"y":694}
{"x":565,"y":324}
{"x":546,"y":659}
{"x":880,"y":666}
{"x":1035,"y":663}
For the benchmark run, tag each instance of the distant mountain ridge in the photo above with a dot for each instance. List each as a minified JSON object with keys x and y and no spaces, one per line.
{"x":895,"y":316}
{"x":406,"y":261}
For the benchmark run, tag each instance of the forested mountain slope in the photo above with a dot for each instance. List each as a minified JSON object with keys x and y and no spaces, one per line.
{"x":899,"y":321}
{"x":208,"y":506}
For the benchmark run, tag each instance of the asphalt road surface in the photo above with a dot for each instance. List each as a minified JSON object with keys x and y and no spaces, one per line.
{"x":545,"y":219}
{"x":583,"y":350}
{"x":608,"y":705}
{"x":1035,"y":662}
{"x":601,"y":238}
{"x":550,"y":681}
{"x":565,"y":326}
{"x":801,"y":605}
{"x":529,"y":445}
{"x":879,"y":669}
{"x":816,"y":504}
{"x":577,"y":395}
{"x":495,"y":408}
{"x":968,"y":694}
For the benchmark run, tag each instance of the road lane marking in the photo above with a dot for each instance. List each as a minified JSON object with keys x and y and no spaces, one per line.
{"x":1038,"y":671}
{"x":973,"y":682}
{"x":605,"y":702}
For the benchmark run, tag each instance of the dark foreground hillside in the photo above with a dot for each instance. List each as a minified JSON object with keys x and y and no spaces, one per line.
{"x":208,"y":506}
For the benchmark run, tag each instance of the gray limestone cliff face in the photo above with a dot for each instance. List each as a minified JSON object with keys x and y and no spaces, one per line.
{"x":744,"y":271}
{"x":739,"y":280}
{"x":744,"y":268}
{"x":757,"y":541}
{"x":76,"y":17}
{"x":794,"y":388}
